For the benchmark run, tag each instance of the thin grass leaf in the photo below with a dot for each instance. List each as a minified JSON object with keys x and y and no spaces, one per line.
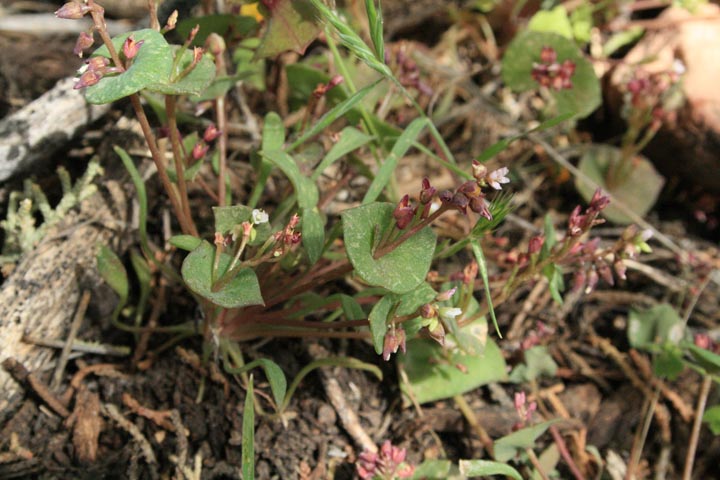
{"x":333,"y":114}
{"x":141,"y":196}
{"x":482,"y":266}
{"x":352,"y":41}
{"x":375,"y":20}
{"x":402,"y":145}
{"x":248,"y":434}
{"x":346,"y":362}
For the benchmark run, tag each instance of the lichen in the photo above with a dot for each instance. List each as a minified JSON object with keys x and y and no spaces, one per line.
{"x":22,"y":233}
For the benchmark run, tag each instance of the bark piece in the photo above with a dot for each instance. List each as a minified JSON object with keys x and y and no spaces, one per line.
{"x":38,"y":130}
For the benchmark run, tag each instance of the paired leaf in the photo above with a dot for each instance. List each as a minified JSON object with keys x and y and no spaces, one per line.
{"x":657,"y":325}
{"x":538,"y":361}
{"x":399,"y":271}
{"x":197,"y":271}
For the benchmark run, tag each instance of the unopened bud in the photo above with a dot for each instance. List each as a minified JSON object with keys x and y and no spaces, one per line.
{"x":427,"y":192}
{"x":428,"y":311}
{"x":211,"y":133}
{"x":446,"y":295}
{"x":193,"y":33}
{"x":215,"y":44}
{"x":548,"y":55}
{"x":172,"y":21}
{"x":335,"y":81}
{"x":131,"y":47}
{"x":535,"y":244}
{"x":84,"y":41}
{"x":199,"y":150}
{"x":72,"y":11}
{"x":479,"y":170}
{"x":87,"y":79}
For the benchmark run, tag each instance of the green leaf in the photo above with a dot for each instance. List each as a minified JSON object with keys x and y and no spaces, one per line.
{"x":510,"y":445}
{"x":712,"y":418}
{"x":225,"y":25}
{"x":292,"y":25}
{"x":248,"y":434}
{"x":409,"y":302}
{"x":191,"y":84}
{"x":657,"y":325}
{"x":305,"y":188}
{"x":668,"y":363}
{"x":538,"y":361}
{"x":197,"y":271}
{"x":552,"y":21}
{"x":637,"y":187}
{"x":273,"y":132}
{"x":313,"y":233}
{"x":276,"y":377}
{"x":113,"y":272}
{"x":480,"y":468}
{"x":142,"y":271}
{"x":706,"y":359}
{"x":556,"y":284}
{"x":431,"y":377}
{"x":400,"y":270}
{"x":387,"y":169}
{"x":580,"y":100}
{"x":152,"y":63}
{"x":482,"y":267}
{"x":350,"y":139}
{"x":582,"y":22}
{"x":185,"y":242}
{"x":351,"y":308}
{"x":375,"y":21}
{"x":622,"y":39}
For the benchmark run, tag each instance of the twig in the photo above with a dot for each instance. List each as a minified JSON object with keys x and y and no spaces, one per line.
{"x":72,"y":334}
{"x":475,"y":424}
{"x":22,"y":376}
{"x":112,"y":412}
{"x":641,"y":436}
{"x":695,"y":435}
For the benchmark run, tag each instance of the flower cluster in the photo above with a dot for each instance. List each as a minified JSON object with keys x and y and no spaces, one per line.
{"x":549,"y":73}
{"x":580,"y":222}
{"x":405,"y":212}
{"x":470,"y":194}
{"x":287,"y":237}
{"x":606,"y":264}
{"x":652,"y":94}
{"x":388,"y":464}
{"x":409,"y":74}
{"x":524,"y":410}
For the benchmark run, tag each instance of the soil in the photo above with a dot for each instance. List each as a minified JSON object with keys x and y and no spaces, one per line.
{"x":169,"y":414}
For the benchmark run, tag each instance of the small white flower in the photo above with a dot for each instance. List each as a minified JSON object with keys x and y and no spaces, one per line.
{"x":259,"y":216}
{"x":678,"y":66}
{"x":495,"y":178}
{"x":449,"y":313}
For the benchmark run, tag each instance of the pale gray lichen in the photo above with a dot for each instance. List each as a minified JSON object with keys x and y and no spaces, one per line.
{"x":22,"y":233}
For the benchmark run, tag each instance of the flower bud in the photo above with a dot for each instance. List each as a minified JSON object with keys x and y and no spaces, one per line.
{"x":470,"y":188}
{"x":428,"y":311}
{"x":87,"y":79}
{"x":427,"y":192}
{"x":131,"y":48}
{"x":215,"y":44}
{"x":211,"y":133}
{"x":479,"y":170}
{"x":535,"y":244}
{"x":84,"y":41}
{"x":199,"y":150}
{"x":548,"y":55}
{"x":446,"y":295}
{"x":171,"y":21}
{"x":72,"y":11}
{"x":480,"y":206}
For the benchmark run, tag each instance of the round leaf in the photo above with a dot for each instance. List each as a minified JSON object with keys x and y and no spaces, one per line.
{"x":242,"y":291}
{"x":152,"y":63}
{"x":400,"y":270}
{"x":524,"y":51}
{"x":638,"y":189}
